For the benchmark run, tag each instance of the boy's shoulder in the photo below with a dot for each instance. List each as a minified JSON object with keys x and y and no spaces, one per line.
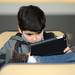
{"x":10,"y":39}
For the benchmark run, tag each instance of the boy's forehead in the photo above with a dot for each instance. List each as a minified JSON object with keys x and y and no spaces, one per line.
{"x":31,"y":32}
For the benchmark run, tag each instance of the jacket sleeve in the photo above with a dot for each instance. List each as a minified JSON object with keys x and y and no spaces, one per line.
{"x":6,"y":53}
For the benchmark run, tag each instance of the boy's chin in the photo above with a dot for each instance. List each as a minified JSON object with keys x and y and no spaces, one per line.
{"x":34,"y":41}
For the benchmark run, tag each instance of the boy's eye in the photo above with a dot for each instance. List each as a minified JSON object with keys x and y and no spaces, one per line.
{"x":29,"y":34}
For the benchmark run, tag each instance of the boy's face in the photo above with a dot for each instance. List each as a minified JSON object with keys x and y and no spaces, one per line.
{"x":32,"y":37}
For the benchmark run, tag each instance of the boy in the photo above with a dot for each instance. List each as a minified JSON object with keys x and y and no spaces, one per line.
{"x":31,"y":24}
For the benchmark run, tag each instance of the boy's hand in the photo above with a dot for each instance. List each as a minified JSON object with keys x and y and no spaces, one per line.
{"x":67,"y":50}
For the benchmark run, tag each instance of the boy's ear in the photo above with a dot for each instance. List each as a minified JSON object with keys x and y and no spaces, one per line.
{"x":19,"y":29}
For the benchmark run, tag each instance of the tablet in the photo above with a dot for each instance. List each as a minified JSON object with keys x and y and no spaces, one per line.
{"x":48,"y":47}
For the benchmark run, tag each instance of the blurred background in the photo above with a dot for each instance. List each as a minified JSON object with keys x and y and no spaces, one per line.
{"x":60,"y":15}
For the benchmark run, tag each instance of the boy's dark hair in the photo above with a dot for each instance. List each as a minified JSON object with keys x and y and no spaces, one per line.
{"x":31,"y":18}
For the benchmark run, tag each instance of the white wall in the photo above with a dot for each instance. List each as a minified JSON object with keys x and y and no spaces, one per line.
{"x":48,"y":8}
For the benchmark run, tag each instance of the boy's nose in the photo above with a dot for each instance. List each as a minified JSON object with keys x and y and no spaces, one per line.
{"x":34,"y":38}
